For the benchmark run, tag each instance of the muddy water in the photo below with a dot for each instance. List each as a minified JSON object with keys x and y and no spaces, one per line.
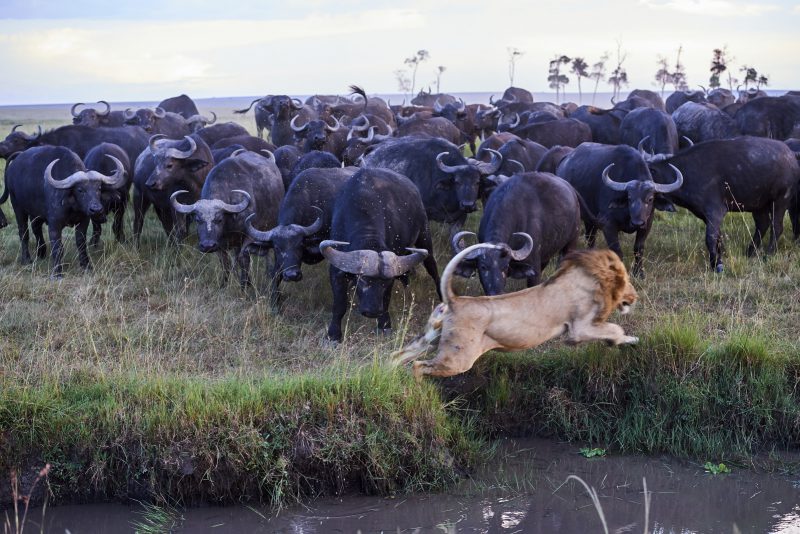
{"x":523,"y":490}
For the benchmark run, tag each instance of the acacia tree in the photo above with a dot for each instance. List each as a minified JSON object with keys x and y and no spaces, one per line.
{"x":598,"y":73}
{"x":750,"y":75}
{"x":678,"y":77}
{"x":579,"y":67}
{"x":719,"y":64}
{"x":439,"y":70}
{"x":663,"y":75}
{"x":513,"y":54}
{"x":413,"y":62}
{"x":619,"y":76}
{"x":403,"y":81}
{"x":763,"y":79}
{"x":556,"y":79}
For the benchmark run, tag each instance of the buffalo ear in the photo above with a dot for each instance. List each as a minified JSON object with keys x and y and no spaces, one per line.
{"x":619,"y":203}
{"x":662,"y":204}
{"x":520,"y":270}
{"x":195,"y":165}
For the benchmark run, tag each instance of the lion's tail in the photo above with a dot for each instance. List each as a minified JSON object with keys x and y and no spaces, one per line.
{"x":447,"y":290}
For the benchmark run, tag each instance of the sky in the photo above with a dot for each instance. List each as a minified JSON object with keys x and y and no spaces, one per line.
{"x":85,"y":50}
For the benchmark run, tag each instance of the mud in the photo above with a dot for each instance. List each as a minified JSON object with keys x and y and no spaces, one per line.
{"x":522,"y":490}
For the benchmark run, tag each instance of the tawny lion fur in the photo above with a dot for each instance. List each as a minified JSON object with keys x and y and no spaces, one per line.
{"x":577,"y":300}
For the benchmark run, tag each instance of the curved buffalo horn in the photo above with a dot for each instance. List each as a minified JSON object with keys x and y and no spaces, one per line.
{"x":67,"y":182}
{"x":160,"y":112}
{"x":237,"y":152}
{"x":14,"y":129}
{"x":72,"y":109}
{"x":359,"y":262}
{"x":491,"y":100}
{"x":116,"y":180}
{"x":298,"y":105}
{"x":258,"y":235}
{"x":360,"y":123}
{"x":519,"y":164}
{"x":370,"y":134}
{"x":688,"y":140}
{"x":128,"y":114}
{"x":214,"y":120}
{"x":296,"y":128}
{"x":613,"y":103}
{"x":154,"y":142}
{"x":669,"y":188}
{"x":240,"y":206}
{"x":455,"y":242}
{"x":29,"y":137}
{"x":333,"y":128}
{"x":183,"y":154}
{"x":703,"y":88}
{"x":513,"y":98}
{"x":177,"y":206}
{"x":314,"y":227}
{"x":444,"y":167}
{"x":616,"y":186}
{"x":640,"y":146}
{"x":462,"y":106}
{"x":393,"y":265}
{"x":524,"y":251}
{"x":437,"y":107}
{"x":268,"y":153}
{"x":515,"y":123}
{"x":107,"y":105}
{"x":493,"y":166}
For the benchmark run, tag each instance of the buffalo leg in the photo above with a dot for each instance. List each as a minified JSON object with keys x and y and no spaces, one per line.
{"x":3,"y":220}
{"x":761,"y":219}
{"x":225,"y":262}
{"x":22,"y":228}
{"x":41,"y":247}
{"x":794,"y":215}
{"x":638,"y":251}
{"x":167,"y":223}
{"x":429,"y":262}
{"x":384,"y":319}
{"x":340,"y":285}
{"x":612,"y":240}
{"x":56,"y":251}
{"x":243,"y":259}
{"x":776,"y":216}
{"x":140,"y":206}
{"x":713,"y":238}
{"x":97,"y":232}
{"x":80,"y":242}
{"x":119,"y":220}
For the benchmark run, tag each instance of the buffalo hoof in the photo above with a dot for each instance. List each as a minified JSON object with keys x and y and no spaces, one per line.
{"x":384,"y":331}
{"x":719,"y":269}
{"x":329,"y":343}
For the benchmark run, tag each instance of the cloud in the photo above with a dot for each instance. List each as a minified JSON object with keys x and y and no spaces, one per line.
{"x":722,"y":8}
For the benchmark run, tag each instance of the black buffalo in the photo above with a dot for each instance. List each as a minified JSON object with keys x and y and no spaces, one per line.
{"x":245,"y":185}
{"x":619,"y":190}
{"x":775,"y":117}
{"x":379,"y":232}
{"x":679,"y":98}
{"x":539,"y":214}
{"x":651,"y":130}
{"x":448,"y":183}
{"x":181,"y":104}
{"x":703,"y":122}
{"x":217,"y":132}
{"x":94,"y":118}
{"x":304,"y":221}
{"x":751,"y":174}
{"x":604,"y":123}
{"x":50,"y":185}
{"x":114,"y":199}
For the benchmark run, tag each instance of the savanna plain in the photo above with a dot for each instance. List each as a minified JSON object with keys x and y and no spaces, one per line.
{"x":148,"y":378}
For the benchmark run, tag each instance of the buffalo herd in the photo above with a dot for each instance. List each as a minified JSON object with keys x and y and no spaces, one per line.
{"x":358,"y":182}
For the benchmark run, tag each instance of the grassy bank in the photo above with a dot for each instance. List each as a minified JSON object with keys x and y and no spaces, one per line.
{"x":148,"y":378}
{"x":266,"y":439}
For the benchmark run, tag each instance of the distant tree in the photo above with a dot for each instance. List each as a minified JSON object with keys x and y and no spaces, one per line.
{"x":598,"y":73}
{"x":556,"y":79}
{"x":579,"y":67}
{"x":439,"y":70}
{"x":513,"y":54}
{"x":663,"y":75}
{"x":763,"y":79}
{"x":619,"y":76}
{"x":413,"y":62}
{"x":719,"y":64}
{"x":403,"y":81}
{"x":679,"y":74}
{"x":750,"y":75}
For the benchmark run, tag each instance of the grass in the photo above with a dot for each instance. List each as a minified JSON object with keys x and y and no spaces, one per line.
{"x":130,"y":376}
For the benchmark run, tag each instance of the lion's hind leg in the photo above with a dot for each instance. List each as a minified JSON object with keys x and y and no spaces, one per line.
{"x":426,"y":342}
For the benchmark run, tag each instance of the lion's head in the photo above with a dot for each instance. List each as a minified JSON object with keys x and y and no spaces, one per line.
{"x":615,"y":290}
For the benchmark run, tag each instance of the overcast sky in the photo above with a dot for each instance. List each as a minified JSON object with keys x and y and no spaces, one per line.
{"x":53,"y":51}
